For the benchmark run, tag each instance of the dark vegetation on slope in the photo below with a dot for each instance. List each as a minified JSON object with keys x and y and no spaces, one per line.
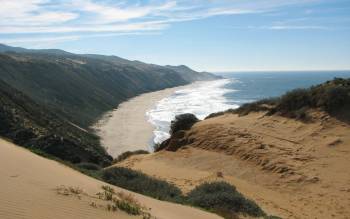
{"x":223,"y":199}
{"x":80,"y":88}
{"x":142,"y":183}
{"x":128,"y":154}
{"x":49,"y":98}
{"x":178,"y":126}
{"x":218,"y":197}
{"x":332,"y":97}
{"x":32,"y":126}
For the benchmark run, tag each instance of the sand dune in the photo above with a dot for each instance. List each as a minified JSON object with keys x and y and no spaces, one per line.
{"x":28,"y":183}
{"x":291,"y":169}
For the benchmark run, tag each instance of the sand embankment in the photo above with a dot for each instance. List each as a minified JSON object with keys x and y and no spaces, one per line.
{"x":28,"y":183}
{"x":291,"y":169}
{"x":127,"y":128}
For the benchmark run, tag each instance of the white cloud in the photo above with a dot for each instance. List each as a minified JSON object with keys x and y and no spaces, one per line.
{"x":31,"y":12}
{"x":299,"y":27}
{"x":108,"y":16}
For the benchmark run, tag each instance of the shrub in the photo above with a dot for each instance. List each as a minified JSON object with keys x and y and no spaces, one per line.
{"x":332,"y":96}
{"x":335,"y":98}
{"x":222,"y":198}
{"x":88,"y":166}
{"x":294,"y":100}
{"x":128,"y":154}
{"x":183,"y":122}
{"x":257,"y":106}
{"x":141,"y":183}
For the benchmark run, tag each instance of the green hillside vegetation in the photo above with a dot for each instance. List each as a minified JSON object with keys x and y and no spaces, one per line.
{"x":49,"y":98}
{"x":218,"y":196}
{"x":332,"y":97}
{"x":80,"y":88}
{"x":32,"y":126}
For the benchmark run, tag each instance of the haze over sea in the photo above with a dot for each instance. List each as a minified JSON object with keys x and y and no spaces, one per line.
{"x":236,"y":89}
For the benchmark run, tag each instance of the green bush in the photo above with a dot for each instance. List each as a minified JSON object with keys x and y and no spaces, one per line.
{"x":258,"y":106}
{"x":332,"y":97}
{"x":294,"y":100}
{"x":142,"y":183}
{"x":335,"y":98}
{"x":88,"y":166}
{"x":218,"y":197}
{"x":183,"y":122}
{"x":224,"y":199}
{"x":128,"y":154}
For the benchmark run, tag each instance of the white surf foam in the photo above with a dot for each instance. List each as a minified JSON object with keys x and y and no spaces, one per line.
{"x":201,"y":100}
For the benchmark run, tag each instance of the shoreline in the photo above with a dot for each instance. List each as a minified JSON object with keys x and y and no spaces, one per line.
{"x":126,"y":128}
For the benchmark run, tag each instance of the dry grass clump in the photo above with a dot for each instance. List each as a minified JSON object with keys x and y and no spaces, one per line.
{"x":108,"y":199}
{"x":69,"y":191}
{"x":122,"y":201}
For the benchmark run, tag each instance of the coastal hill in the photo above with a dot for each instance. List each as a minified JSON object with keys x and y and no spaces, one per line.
{"x":80,"y":88}
{"x":50,"y":98}
{"x":33,"y":126}
{"x":289,"y":154}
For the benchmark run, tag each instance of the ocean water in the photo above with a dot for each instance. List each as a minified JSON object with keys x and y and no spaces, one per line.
{"x":236,"y":89}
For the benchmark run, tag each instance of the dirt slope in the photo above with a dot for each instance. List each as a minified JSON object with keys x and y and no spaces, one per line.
{"x":292,"y":169}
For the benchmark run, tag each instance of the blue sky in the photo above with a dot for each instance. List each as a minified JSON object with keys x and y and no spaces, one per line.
{"x":212,"y":35}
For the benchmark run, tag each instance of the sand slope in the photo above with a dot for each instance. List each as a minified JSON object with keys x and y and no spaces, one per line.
{"x":291,"y":169}
{"x":27,"y":190}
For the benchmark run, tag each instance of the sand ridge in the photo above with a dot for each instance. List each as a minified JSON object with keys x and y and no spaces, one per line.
{"x":28,"y":190}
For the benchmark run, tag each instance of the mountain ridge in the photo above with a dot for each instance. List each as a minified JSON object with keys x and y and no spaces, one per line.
{"x":82,"y":87}
{"x":50,"y":98}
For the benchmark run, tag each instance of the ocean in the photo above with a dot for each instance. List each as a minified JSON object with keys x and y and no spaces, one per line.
{"x":234,"y":90}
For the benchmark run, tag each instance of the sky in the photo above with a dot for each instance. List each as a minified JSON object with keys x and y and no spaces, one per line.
{"x":207,"y":35}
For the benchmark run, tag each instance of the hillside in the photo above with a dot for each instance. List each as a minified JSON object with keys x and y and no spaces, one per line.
{"x":33,"y":126}
{"x":80,"y":88}
{"x":292,"y":166}
{"x":49,"y":98}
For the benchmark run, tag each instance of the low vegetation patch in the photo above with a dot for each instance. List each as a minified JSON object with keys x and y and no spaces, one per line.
{"x":183,"y":122}
{"x":223,"y":199}
{"x":178,"y":126}
{"x":121,"y":201}
{"x":218,"y":197}
{"x":107,"y":199}
{"x":142,"y":183}
{"x":332,"y":97}
{"x":128,"y":154}
{"x":89,"y":166}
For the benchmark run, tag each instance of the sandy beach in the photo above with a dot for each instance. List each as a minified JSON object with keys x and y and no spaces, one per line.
{"x":126,"y":128}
